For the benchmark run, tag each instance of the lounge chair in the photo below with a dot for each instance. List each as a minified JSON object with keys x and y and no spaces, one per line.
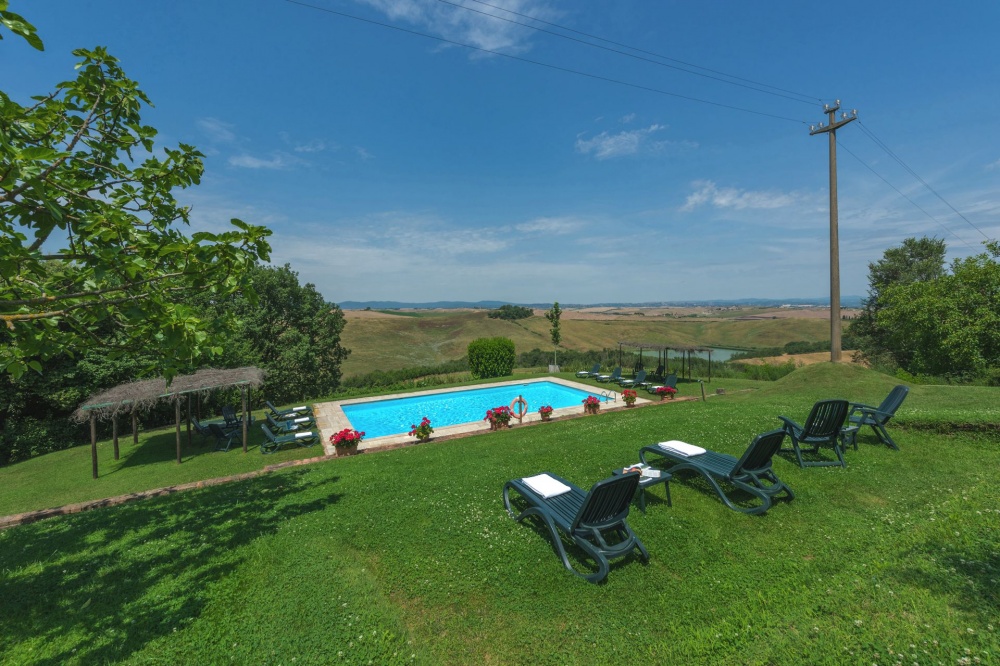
{"x":823,"y":426}
{"x":658,"y":373}
{"x":593,"y":372}
{"x":638,"y":380}
{"x":588,"y":519}
{"x":877,"y":417}
{"x":613,"y":377}
{"x":224,"y":438}
{"x":273,"y":442}
{"x":285,"y":426}
{"x":301,"y":410}
{"x":671,"y":381}
{"x":750,"y":473}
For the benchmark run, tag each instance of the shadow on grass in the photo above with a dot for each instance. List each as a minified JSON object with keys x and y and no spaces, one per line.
{"x":967,"y":578}
{"x":96,"y":587}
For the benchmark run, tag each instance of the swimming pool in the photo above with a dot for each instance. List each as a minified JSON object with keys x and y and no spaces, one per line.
{"x":396,"y":416}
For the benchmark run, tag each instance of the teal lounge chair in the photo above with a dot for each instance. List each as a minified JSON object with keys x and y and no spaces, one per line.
{"x":593,"y":372}
{"x":670,"y":381}
{"x":823,"y":426}
{"x":302,"y":410}
{"x":273,"y":442}
{"x":613,"y":377}
{"x":750,"y":473}
{"x":638,"y":380}
{"x":232,"y":419}
{"x":589,"y":519}
{"x":877,"y":417}
{"x":285,"y":426}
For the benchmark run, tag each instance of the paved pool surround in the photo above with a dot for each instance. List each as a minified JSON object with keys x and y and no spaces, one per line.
{"x":330,"y":417}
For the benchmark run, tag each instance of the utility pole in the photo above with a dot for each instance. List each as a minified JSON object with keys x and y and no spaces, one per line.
{"x":831,"y":128}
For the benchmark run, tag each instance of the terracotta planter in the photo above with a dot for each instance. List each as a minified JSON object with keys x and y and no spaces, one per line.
{"x":343,"y":451}
{"x":629,"y":404}
{"x":591,"y":410}
{"x":546,"y":417}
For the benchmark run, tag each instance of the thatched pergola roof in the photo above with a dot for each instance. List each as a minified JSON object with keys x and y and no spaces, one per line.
{"x":143,"y":394}
{"x":131,"y":397}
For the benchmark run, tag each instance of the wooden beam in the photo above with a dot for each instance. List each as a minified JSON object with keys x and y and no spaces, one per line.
{"x":114,"y":433}
{"x":177,"y":423}
{"x":93,"y":442}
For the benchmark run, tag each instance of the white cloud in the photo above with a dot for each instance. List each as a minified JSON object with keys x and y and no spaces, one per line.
{"x":707,"y":192}
{"x":628,"y":118}
{"x":314,"y":146}
{"x":993,"y":165}
{"x":549,"y":225}
{"x":469,"y":26}
{"x":276,"y":161}
{"x":363,"y":154}
{"x":605,"y":146}
{"x":217,"y":130}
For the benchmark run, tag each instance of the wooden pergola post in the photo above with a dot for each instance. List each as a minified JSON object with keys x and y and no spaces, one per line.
{"x":246,"y":416}
{"x":114,"y":433}
{"x":188,"y":420}
{"x":93,"y":442}
{"x":177,"y":422}
{"x":135,"y":426}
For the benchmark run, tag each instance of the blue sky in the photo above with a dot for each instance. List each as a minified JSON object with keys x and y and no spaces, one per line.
{"x":394,"y":166}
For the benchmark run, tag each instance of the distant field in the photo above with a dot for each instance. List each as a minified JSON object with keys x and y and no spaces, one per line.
{"x":387,"y":340}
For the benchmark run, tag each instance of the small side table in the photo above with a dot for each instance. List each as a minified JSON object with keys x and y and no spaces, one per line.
{"x":646,"y":482}
{"x":849,"y":437}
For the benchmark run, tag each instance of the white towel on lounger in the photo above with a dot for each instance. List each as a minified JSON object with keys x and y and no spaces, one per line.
{"x":303,"y":419}
{"x":303,"y":435}
{"x":545,"y":485}
{"x":681,"y":449}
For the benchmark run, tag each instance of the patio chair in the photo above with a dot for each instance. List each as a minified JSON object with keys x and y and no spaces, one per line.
{"x":589,"y":519}
{"x":877,"y":417}
{"x":750,"y":473}
{"x":232,"y":419}
{"x":273,"y":442}
{"x":593,"y":372}
{"x":823,"y":426}
{"x":302,"y":410}
{"x":638,"y":380}
{"x":613,"y":377}
{"x":671,"y":381}
{"x":658,"y":373}
{"x":224,"y":438}
{"x":285,"y":426}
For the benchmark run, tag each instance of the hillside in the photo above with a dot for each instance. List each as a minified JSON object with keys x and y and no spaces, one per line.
{"x":392,"y":340}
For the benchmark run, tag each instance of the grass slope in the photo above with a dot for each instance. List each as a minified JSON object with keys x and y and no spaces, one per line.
{"x":408,"y":556}
{"x":389,"y":343}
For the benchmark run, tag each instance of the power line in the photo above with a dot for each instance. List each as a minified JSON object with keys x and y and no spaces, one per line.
{"x":878,"y":142}
{"x":629,"y":55}
{"x":808,"y":98}
{"x":915,"y":204}
{"x":544,"y":64}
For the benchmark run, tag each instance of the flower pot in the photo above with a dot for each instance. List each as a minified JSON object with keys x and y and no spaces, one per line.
{"x":346,"y":450}
{"x":629,"y":404}
{"x":546,"y":417}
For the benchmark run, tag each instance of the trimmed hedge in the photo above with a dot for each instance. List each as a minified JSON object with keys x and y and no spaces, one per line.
{"x":491,"y":357}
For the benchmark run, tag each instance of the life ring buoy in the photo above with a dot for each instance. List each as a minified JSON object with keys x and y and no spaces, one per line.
{"x":519,"y":413}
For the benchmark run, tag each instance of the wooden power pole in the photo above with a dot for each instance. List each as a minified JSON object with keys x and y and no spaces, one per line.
{"x":831,"y":128}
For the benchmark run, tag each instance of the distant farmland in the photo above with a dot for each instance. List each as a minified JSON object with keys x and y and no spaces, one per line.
{"x":390,"y":340}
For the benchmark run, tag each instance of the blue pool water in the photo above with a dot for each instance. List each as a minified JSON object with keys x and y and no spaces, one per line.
{"x":393,"y":417}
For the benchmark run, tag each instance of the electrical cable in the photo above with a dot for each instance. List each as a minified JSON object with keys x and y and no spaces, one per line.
{"x":810,"y":98}
{"x":878,"y":142}
{"x":915,"y":204}
{"x":629,"y":55}
{"x":544,"y":64}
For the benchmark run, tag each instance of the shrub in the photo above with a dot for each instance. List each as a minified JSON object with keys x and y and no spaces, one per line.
{"x":510,"y":312}
{"x":491,"y":357}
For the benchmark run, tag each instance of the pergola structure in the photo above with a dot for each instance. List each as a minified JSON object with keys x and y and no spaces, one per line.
{"x":130,"y":397}
{"x":661,"y":351}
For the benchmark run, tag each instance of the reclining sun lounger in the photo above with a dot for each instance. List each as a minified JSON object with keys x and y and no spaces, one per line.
{"x":589,"y":519}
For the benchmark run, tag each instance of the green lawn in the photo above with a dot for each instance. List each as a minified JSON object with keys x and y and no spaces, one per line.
{"x":408,"y":556}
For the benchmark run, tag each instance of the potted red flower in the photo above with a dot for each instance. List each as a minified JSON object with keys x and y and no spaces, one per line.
{"x":545,"y":411}
{"x":499,"y":417}
{"x":665,"y":392}
{"x":423,"y":431}
{"x":591,"y":405}
{"x":346,"y":441}
{"x":629,"y":396}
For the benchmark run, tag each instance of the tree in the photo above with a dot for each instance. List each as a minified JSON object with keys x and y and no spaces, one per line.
{"x":915,"y":261}
{"x":90,"y":253}
{"x":553,"y":316}
{"x":289,"y":331}
{"x":950,"y":325}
